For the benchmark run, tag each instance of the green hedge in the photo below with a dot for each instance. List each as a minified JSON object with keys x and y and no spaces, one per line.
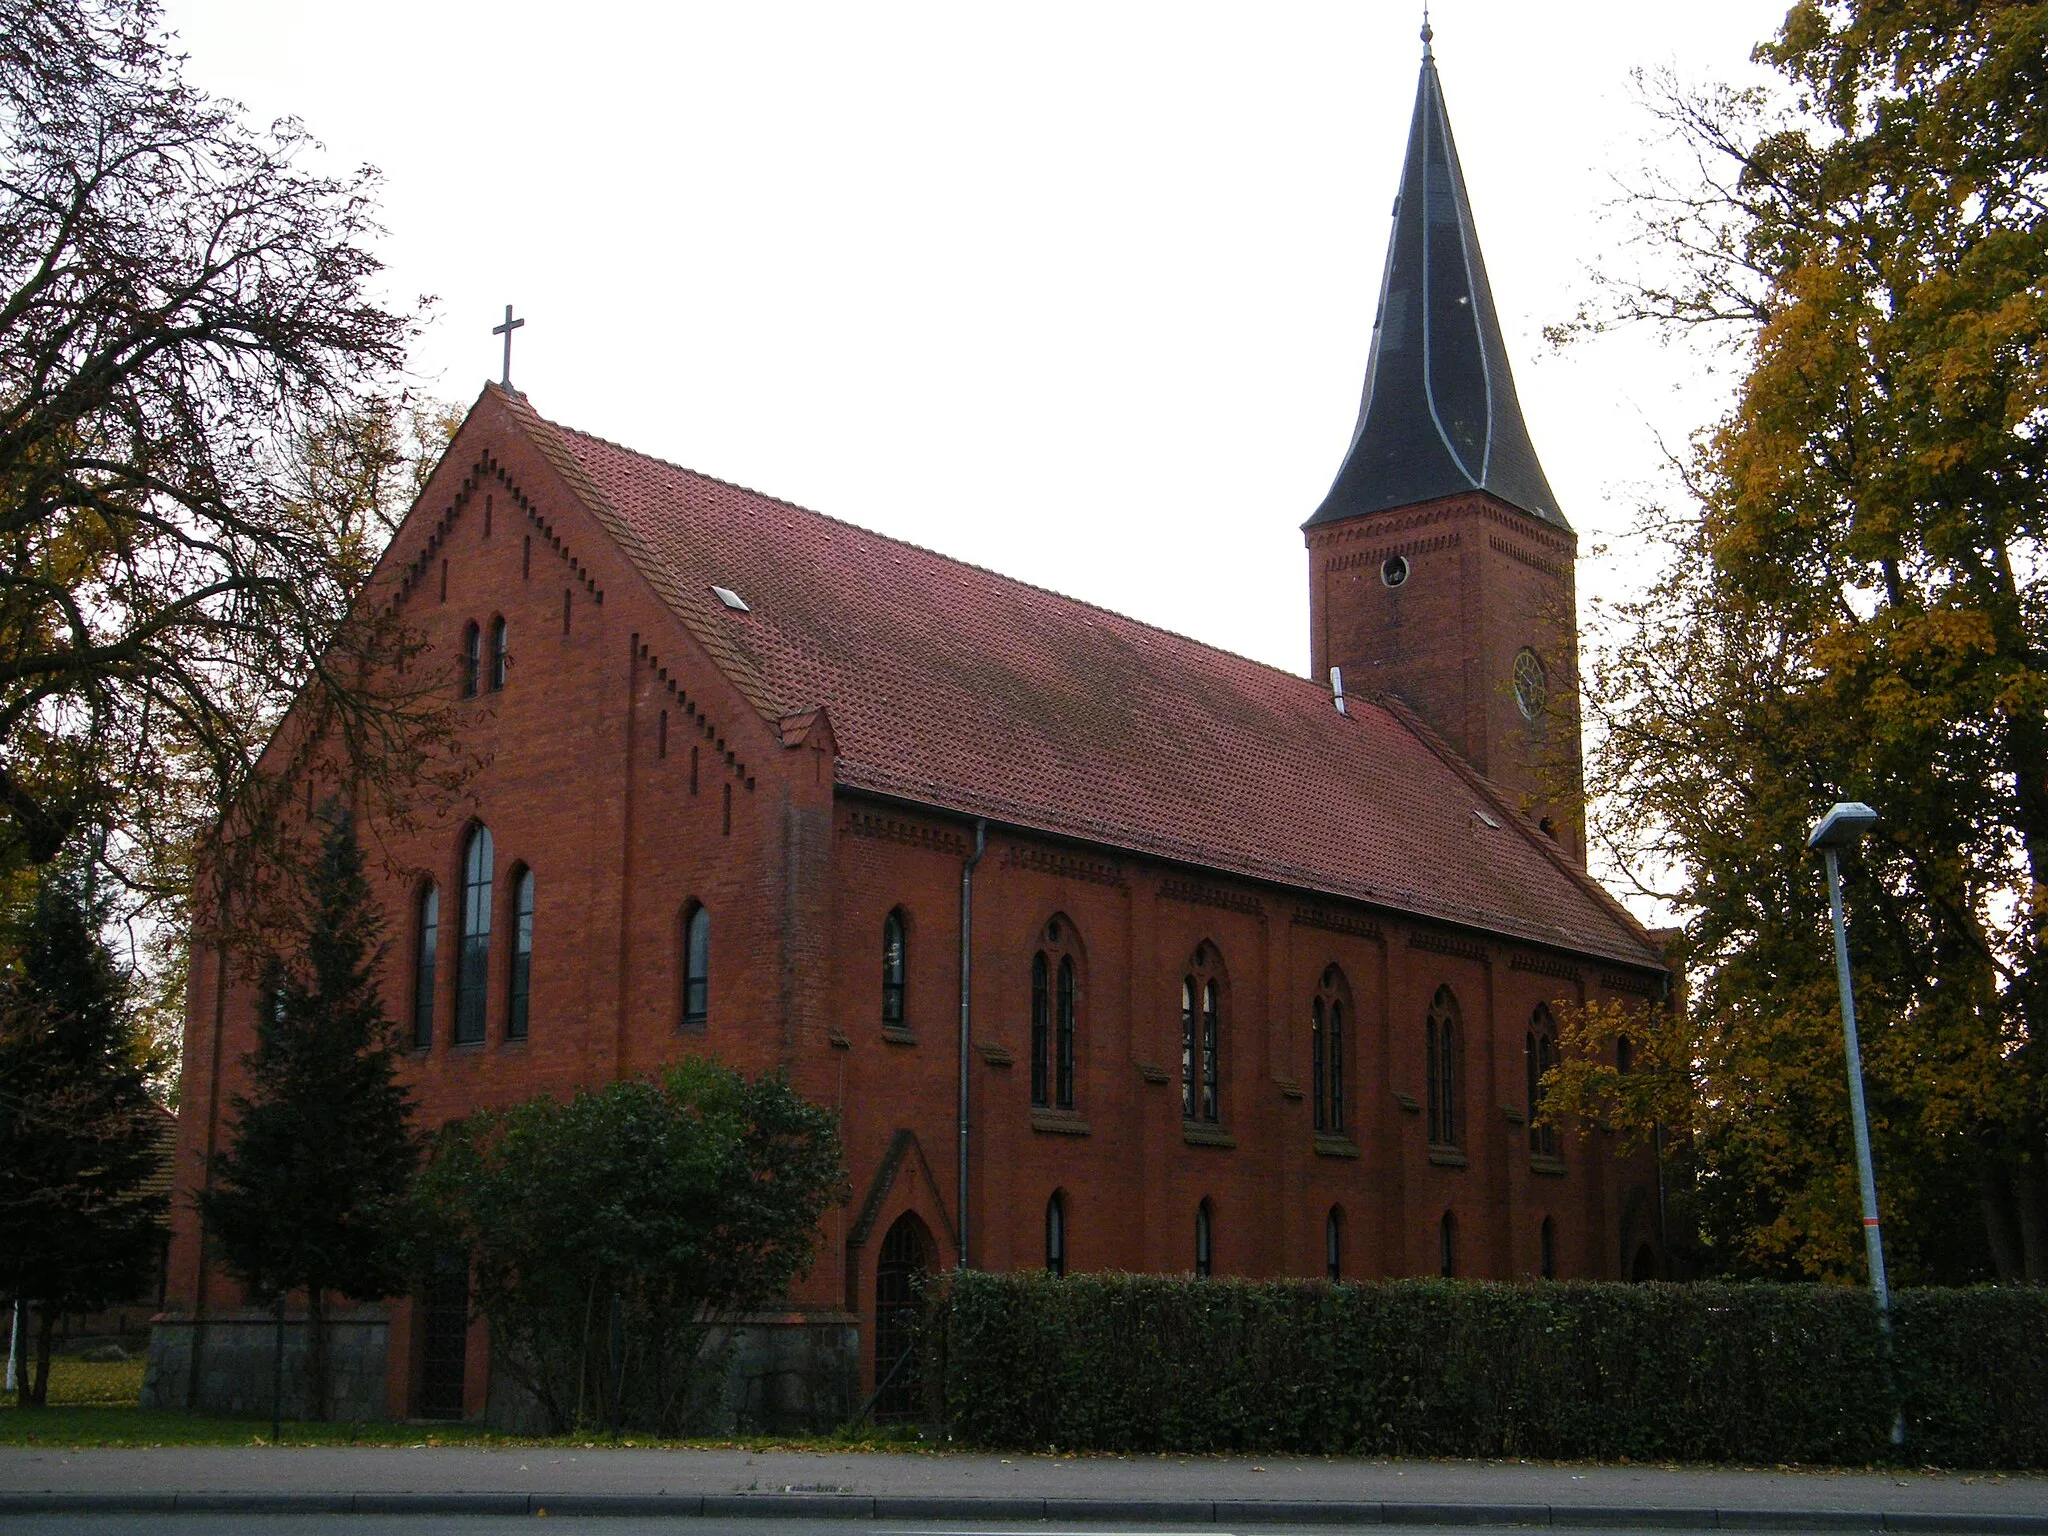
{"x":1744,"y":1373}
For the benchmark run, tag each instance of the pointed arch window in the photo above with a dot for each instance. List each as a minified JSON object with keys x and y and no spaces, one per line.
{"x":1205,"y":1254}
{"x":1056,"y":1233}
{"x":894,"y":966}
{"x":473,"y":968}
{"x":519,"y":997}
{"x":472,"y":658}
{"x":1539,"y":1053}
{"x":425,"y":957}
{"x":1443,"y":1044}
{"x":1201,"y":1037}
{"x":1063,"y":1039}
{"x":696,"y":967}
{"x":499,"y":660}
{"x":1327,"y":1027}
{"x":1055,"y":990}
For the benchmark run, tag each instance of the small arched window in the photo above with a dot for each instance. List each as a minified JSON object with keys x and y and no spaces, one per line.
{"x":1054,"y":1001}
{"x":1624,"y":1055}
{"x":518,"y":1004}
{"x":472,"y":658}
{"x":1546,"y":1239}
{"x":1201,"y":1037}
{"x":1333,"y":1243}
{"x":498,"y":656}
{"x":425,"y":958}
{"x":1539,"y":1054}
{"x":1442,"y":1042}
{"x":696,"y":967}
{"x":1447,"y":1246}
{"x":1326,"y":1029}
{"x":473,"y":968}
{"x":1205,"y":1253}
{"x":1056,"y":1233}
{"x":893,"y":967}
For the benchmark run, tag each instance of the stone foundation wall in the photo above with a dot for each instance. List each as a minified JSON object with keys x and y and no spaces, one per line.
{"x":227,"y":1365}
{"x":783,"y":1375}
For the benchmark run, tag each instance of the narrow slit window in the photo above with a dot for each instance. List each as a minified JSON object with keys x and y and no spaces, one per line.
{"x":519,"y":1005}
{"x":499,"y":659}
{"x":1056,"y":1234}
{"x":1063,"y":1077}
{"x":565,"y":610}
{"x":1041,"y":1022}
{"x":1333,"y":1244}
{"x":696,"y":968}
{"x":893,"y":968}
{"x":472,"y":658}
{"x":526,"y":559}
{"x":1441,"y":1040}
{"x":728,"y":811}
{"x":1326,"y":1052}
{"x":473,"y":973}
{"x":423,"y":968}
{"x":1205,"y":1256}
{"x":1201,"y":1038}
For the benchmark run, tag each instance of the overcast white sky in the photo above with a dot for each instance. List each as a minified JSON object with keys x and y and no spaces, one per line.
{"x":1081,"y":292}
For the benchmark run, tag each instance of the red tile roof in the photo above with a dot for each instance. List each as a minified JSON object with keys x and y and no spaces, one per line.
{"x":959,"y":688}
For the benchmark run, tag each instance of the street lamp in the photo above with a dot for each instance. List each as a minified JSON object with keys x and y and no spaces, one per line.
{"x":1843,"y":827}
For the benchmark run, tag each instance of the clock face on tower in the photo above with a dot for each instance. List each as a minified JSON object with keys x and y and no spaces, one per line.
{"x":1531,"y":687}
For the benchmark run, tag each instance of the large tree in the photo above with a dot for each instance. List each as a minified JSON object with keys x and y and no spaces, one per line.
{"x":1854,"y":604}
{"x":80,"y":1137}
{"x":194,"y":360}
{"x":311,"y":1193}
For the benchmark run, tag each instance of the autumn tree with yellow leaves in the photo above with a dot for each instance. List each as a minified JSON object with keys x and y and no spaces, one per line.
{"x":1853,"y":605}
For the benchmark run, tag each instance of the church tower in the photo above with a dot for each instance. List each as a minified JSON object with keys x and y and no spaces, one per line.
{"x":1440,"y":568}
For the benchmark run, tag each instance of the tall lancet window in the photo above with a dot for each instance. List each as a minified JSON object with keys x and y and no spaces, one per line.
{"x":1201,"y":1037}
{"x":473,"y":968}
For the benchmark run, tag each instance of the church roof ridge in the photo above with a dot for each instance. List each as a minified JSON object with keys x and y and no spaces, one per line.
{"x":935,"y":553}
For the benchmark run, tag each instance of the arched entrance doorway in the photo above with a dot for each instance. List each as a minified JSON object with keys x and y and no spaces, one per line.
{"x":905,"y":1259}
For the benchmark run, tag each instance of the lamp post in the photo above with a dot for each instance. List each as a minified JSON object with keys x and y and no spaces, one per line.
{"x":1843,"y":827}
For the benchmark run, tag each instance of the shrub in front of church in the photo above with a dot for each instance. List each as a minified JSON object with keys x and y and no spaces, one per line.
{"x":611,"y":1235}
{"x":1745,"y":1373}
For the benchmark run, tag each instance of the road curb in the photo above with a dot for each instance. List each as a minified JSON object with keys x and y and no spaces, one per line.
{"x":845,"y":1506}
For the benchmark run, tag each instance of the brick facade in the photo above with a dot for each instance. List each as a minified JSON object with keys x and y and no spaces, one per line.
{"x":629,"y":764}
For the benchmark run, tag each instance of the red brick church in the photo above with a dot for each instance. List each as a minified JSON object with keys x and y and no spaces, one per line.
{"x":1114,"y":950}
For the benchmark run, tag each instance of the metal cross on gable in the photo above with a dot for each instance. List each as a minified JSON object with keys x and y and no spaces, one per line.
{"x":506,"y":331}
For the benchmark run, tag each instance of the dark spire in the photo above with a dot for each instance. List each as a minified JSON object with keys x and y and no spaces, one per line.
{"x":1439,"y":415}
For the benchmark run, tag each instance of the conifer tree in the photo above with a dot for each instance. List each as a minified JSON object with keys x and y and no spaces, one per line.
{"x":79,"y":1132}
{"x":311,"y":1192}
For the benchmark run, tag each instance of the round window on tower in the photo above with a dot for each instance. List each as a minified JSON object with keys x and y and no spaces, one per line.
{"x":1531,"y":687}
{"x":1393,"y":570}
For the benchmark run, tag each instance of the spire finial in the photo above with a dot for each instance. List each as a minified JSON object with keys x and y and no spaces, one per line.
{"x":1428,"y":33}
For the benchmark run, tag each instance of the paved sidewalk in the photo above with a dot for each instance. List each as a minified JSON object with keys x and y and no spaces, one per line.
{"x":963,"y":1485}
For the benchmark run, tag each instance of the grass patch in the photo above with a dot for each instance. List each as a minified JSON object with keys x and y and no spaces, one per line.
{"x":76,"y":1383}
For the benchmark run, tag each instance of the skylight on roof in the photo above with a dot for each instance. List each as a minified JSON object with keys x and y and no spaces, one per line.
{"x":1486,"y":819}
{"x":731,"y":599}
